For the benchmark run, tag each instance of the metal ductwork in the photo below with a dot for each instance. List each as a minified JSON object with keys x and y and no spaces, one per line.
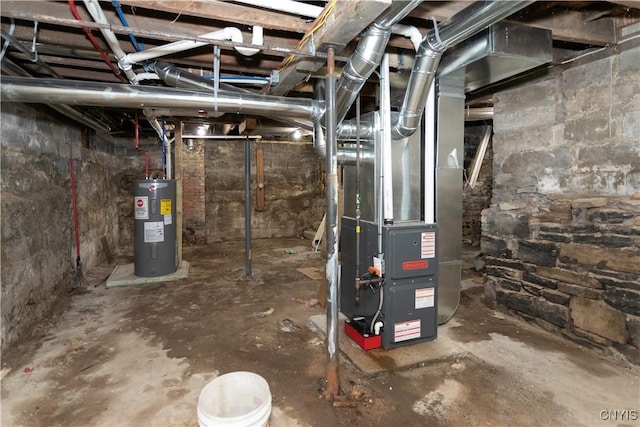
{"x":73,"y":92}
{"x":174,"y":76}
{"x":368,"y":55}
{"x":497,"y":53}
{"x":459,"y":27}
{"x":12,"y":69}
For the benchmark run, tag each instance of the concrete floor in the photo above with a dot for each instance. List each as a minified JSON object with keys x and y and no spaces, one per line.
{"x":140,"y":355}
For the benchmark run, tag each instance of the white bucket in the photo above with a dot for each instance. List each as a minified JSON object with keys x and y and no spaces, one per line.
{"x":237,"y":399}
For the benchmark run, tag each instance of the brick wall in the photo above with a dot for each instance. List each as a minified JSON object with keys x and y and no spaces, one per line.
{"x":562,"y":235}
{"x":193,"y":193}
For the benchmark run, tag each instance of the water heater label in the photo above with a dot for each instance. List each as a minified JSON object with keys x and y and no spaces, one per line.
{"x":168,"y":219}
{"x":141,"y":207}
{"x":165,"y":206}
{"x":428,"y":245}
{"x":425,"y":297}
{"x":154,"y":232}
{"x":406,"y":330}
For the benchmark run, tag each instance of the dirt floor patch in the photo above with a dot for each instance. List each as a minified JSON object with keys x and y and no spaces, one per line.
{"x":140,"y":355}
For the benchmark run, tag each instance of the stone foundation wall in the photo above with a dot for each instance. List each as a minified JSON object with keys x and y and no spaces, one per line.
{"x":562,"y":235}
{"x":475,"y":199}
{"x":292,"y":179}
{"x":38,"y":246}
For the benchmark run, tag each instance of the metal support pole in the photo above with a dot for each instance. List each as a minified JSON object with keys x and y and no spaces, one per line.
{"x":331,"y":189}
{"x":247,"y":205}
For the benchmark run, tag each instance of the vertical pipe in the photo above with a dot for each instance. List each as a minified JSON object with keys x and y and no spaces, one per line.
{"x":247,"y":205}
{"x":331,"y":188}
{"x":430,"y":157}
{"x":358,"y":284}
{"x":179,"y":151}
{"x":387,"y":166}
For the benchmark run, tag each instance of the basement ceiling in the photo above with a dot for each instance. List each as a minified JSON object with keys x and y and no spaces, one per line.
{"x":291,"y":54}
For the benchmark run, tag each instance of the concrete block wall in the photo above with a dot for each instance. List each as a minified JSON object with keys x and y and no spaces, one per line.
{"x":293,"y":198}
{"x":37,"y":246}
{"x":562,"y":235}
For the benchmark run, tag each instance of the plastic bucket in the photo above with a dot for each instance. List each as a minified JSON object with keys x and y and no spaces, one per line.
{"x":237,"y":399}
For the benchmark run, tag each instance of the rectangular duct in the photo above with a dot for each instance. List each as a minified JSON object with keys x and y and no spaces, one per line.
{"x":498,"y":52}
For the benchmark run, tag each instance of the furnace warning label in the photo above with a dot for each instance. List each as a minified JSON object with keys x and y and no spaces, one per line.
{"x":428,"y":245}
{"x":165,"y":206}
{"x":141,"y":207}
{"x":425,"y":297}
{"x":153,"y":232}
{"x":406,"y":330}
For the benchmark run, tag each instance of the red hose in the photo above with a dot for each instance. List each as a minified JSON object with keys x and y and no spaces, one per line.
{"x":146,"y":152}
{"x":95,"y":44}
{"x":74,"y":201}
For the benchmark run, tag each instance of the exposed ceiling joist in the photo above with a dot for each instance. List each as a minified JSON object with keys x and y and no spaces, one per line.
{"x":342,"y":25}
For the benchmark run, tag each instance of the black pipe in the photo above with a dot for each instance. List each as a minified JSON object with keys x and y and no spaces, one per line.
{"x":357,"y":283}
{"x":331,"y":189}
{"x":247,"y":205}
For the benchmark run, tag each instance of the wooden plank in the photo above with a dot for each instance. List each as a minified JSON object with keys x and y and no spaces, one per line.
{"x":312,"y":273}
{"x":225,"y":11}
{"x":344,"y":23}
{"x":260,"y":179}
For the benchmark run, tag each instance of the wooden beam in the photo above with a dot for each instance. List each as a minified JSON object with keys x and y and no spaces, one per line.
{"x":225,"y":11}
{"x":343,"y":24}
{"x":571,"y":25}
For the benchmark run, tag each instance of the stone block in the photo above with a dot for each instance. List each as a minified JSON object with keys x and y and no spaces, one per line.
{"x":629,"y":61}
{"x":552,"y":313}
{"x":631,"y":124}
{"x":553,"y":237}
{"x":625,"y":300}
{"x":512,"y":206}
{"x":593,"y":74}
{"x":538,"y":253}
{"x":507,"y":224}
{"x":509,"y":263}
{"x":518,"y":302}
{"x":569,"y":276}
{"x":580,"y":291}
{"x":633,"y":327}
{"x":635,"y":285}
{"x":490,"y":291}
{"x":608,"y":157}
{"x":624,"y":260}
{"x":610,"y":216}
{"x":541,"y":281}
{"x":505,"y":283}
{"x":608,"y":240}
{"x":592,"y":337}
{"x":598,"y":317}
{"x":495,"y":247}
{"x":502,"y":272}
{"x":555,"y":297}
{"x":531,"y":289}
{"x":592,"y":128}
{"x":593,"y":202}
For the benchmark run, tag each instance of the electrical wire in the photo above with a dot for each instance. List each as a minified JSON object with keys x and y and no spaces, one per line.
{"x":321,"y":21}
{"x":138,"y":46}
{"x":94,"y":42}
{"x":5,"y":46}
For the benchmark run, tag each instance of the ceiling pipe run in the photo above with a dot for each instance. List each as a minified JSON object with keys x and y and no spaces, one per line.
{"x":459,"y":27}
{"x":228,"y":33}
{"x":176,"y":77}
{"x":74,"y":92}
{"x":368,"y":55}
{"x":10,"y":68}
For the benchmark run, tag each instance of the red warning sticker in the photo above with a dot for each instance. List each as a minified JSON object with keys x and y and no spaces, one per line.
{"x":415,"y":265}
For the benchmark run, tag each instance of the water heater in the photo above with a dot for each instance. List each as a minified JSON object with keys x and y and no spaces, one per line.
{"x":155,"y":245}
